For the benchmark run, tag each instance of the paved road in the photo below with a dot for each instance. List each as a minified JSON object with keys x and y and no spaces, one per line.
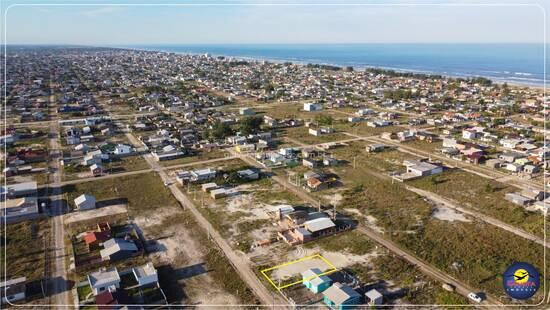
{"x":59,"y":273}
{"x":427,"y":269}
{"x":239,"y":263}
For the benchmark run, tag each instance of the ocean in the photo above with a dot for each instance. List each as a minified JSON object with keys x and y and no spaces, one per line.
{"x":513,"y":63}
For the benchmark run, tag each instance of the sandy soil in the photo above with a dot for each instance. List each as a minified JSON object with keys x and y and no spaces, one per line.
{"x":447,"y":214}
{"x":175,"y":245}
{"x":337,"y":259}
{"x":334,"y":199}
{"x":95,"y":213}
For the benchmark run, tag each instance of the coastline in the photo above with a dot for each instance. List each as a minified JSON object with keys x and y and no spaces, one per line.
{"x":510,"y":81}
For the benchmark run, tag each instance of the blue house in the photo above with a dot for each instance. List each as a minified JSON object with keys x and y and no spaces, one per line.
{"x":314,"y":282}
{"x":340,"y":296}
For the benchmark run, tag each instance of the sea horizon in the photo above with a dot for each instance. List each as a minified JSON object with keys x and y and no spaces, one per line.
{"x":520,"y":64}
{"x":514,"y":63}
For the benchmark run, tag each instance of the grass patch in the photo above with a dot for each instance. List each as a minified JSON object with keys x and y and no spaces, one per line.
{"x":24,"y":247}
{"x":418,"y":288}
{"x":223,"y":273}
{"x":351,"y":242}
{"x":124,"y":164}
{"x":83,"y":292}
{"x":200,"y":156}
{"x":483,"y":195}
{"x":144,"y":192}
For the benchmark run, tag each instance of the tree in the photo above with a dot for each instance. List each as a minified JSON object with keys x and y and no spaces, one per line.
{"x":325,"y":120}
{"x":250,"y":125}
{"x":220,"y":130}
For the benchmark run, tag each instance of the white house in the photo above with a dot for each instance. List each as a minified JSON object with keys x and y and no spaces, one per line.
{"x":85,"y":202}
{"x":510,"y":143}
{"x":146,"y":274}
{"x":122,"y":149}
{"x":203,"y":174}
{"x":419,"y":168}
{"x":103,"y":279}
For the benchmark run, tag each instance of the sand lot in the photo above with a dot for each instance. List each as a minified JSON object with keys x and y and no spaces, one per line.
{"x":95,"y":213}
{"x":447,"y":214}
{"x":174,"y":244}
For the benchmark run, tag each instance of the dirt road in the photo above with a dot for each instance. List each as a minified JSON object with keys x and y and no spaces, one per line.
{"x":427,"y":269}
{"x":240,"y":263}
{"x":58,"y":279}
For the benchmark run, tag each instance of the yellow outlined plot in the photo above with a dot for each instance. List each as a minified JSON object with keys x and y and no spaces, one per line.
{"x":318,"y":256}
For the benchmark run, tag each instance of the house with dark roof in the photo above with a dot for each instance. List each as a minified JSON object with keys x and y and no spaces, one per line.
{"x":13,"y":290}
{"x":111,"y":299}
{"x":116,"y":249}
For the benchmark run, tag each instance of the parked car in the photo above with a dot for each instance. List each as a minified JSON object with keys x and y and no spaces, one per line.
{"x":475,"y":297}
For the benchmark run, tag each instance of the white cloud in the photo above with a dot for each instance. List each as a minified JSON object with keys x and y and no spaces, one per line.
{"x":102,"y":11}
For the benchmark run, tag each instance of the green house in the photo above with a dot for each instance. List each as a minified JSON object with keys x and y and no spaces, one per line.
{"x":314,"y":282}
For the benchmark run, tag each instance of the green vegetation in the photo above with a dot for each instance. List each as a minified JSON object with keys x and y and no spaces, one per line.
{"x":399,"y":94}
{"x":24,"y":248}
{"x":223,"y":272}
{"x":482,"y":250}
{"x":220,"y":130}
{"x":143,"y":192}
{"x":418,"y":288}
{"x":324,"y":120}
{"x":250,"y":125}
{"x":83,"y":292}
{"x":351,"y":242}
{"x":484,"y":195}
{"x":124,"y":164}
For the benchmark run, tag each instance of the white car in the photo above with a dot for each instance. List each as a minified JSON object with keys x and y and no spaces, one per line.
{"x":475,"y":297}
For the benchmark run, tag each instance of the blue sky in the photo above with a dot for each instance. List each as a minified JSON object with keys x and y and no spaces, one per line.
{"x":260,"y":21}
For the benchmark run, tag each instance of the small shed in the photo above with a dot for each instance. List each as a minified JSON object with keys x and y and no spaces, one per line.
{"x":96,"y":170}
{"x":218,"y":193}
{"x":517,"y":199}
{"x":207,"y":187}
{"x":374,"y":297}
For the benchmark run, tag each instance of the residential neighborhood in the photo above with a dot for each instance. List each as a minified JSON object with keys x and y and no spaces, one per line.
{"x":135,"y":177}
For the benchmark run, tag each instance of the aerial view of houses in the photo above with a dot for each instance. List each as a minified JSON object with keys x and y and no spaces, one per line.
{"x":136,"y":177}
